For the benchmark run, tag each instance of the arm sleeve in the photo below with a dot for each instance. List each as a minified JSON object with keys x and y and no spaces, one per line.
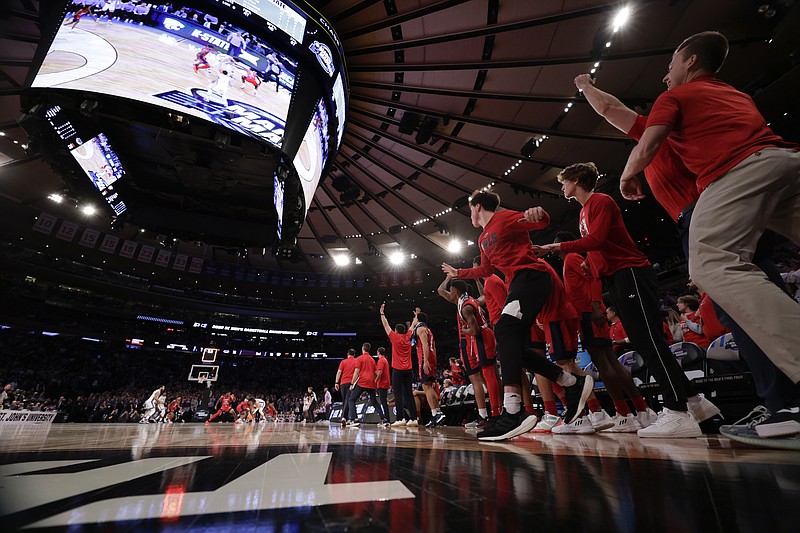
{"x":639,"y":125}
{"x":531,"y":226}
{"x":483,"y":271}
{"x":697,"y":327}
{"x":665,"y":112}
{"x":599,"y":227}
{"x":596,"y":290}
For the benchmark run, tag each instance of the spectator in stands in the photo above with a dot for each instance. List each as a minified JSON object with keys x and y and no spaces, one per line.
{"x":619,"y":339}
{"x":691,"y":323}
{"x":673,"y":321}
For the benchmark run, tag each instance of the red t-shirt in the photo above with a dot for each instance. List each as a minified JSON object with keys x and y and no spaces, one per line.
{"x":617,"y":333}
{"x":714,"y":127}
{"x":668,"y":333}
{"x":581,"y":289}
{"x":691,"y":336}
{"x":383,"y":366}
{"x":712,"y":329}
{"x":604,"y":238}
{"x":347,"y":366}
{"x":674,"y":186}
{"x":366,"y":371}
{"x":506,"y":245}
{"x":401,"y":350}
{"x":495,"y":294}
{"x":456,"y":376}
{"x":557,"y":306}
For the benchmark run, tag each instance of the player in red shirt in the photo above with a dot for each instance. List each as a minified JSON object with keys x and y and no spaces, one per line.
{"x":224,"y":407}
{"x":722,"y":138}
{"x":422,"y":337}
{"x":402,"y":371}
{"x":613,"y":257}
{"x":382,"y":383}
{"x":674,"y":187}
{"x":691,"y":323}
{"x":505,"y":245}
{"x":243,"y":409}
{"x":364,"y":381}
{"x":344,"y":376}
{"x":201,"y":59}
{"x":474,"y":356}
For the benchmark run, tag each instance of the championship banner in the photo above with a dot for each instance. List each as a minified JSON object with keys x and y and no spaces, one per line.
{"x":109,"y":244}
{"x":417,"y":277}
{"x":180,"y":262}
{"x":89,"y":238}
{"x":383,"y":280}
{"x":45,"y":223}
{"x":395,"y":279}
{"x":27,"y":417}
{"x":128,"y":249}
{"x":196,"y":266}
{"x":67,"y":231}
{"x":406,"y":278}
{"x":146,"y":254}
{"x":162,"y":259}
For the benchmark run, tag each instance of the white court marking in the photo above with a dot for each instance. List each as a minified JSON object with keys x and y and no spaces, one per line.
{"x":98,"y":53}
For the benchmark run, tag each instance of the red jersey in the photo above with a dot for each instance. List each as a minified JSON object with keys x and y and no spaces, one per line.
{"x":383,"y":365}
{"x":366,"y":371}
{"x":420,"y":349}
{"x":347,"y":366}
{"x":604,"y":238}
{"x":712,"y":329}
{"x":674,"y":186}
{"x":714,"y":126}
{"x":401,"y":350}
{"x":456,"y":375}
{"x":618,"y":334}
{"x":226,"y":402}
{"x":506,"y":245}
{"x":581,"y":288}
{"x":173,"y":405}
{"x":243,"y":406}
{"x":495,"y":294}
{"x":557,"y":307}
{"x":691,"y":336}
{"x":480,"y":316}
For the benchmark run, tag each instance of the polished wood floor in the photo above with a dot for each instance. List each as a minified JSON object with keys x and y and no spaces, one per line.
{"x":293,"y":477}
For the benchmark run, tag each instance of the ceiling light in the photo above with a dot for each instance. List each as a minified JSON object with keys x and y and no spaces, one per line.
{"x":608,"y":44}
{"x":396,"y":258}
{"x":621,"y":18}
{"x":57,"y":198}
{"x":341,"y":260}
{"x":454,"y":246}
{"x":597,"y":64}
{"x":88,"y":210}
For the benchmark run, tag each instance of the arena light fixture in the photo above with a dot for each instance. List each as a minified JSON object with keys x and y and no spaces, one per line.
{"x":341,"y":259}
{"x":621,"y":18}
{"x":88,"y":210}
{"x":57,"y":198}
{"x":396,"y":258}
{"x":454,"y":246}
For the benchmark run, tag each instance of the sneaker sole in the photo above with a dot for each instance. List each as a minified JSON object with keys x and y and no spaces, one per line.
{"x":630,"y":429}
{"x":752,"y":438}
{"x":588,"y":387}
{"x":605,"y":426}
{"x":587,"y":431}
{"x":524,"y":427}
{"x":682,"y":435}
{"x":778,"y":429}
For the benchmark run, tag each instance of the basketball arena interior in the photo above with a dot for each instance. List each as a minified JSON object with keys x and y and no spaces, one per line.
{"x":206,"y":204}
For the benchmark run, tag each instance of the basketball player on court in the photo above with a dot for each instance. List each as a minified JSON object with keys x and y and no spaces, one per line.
{"x":224,"y":406}
{"x":151,"y":404}
{"x":505,"y":245}
{"x":257,"y":410}
{"x":364,"y":381}
{"x":422,"y":337}
{"x":402,"y":370}
{"x":344,"y":377}
{"x":382,"y":382}
{"x":78,"y":15}
{"x":201,"y":61}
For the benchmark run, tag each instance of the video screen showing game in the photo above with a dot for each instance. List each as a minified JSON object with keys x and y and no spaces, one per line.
{"x":279,"y":201}
{"x":173,"y":55}
{"x":99,"y":161}
{"x":313,"y":153}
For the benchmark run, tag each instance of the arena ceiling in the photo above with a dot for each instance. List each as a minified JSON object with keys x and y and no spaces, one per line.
{"x":481,"y":79}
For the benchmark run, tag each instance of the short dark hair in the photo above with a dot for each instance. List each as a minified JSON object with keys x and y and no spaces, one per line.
{"x":460,"y":285}
{"x":422,"y":317}
{"x":486,"y":199}
{"x":612,"y":309}
{"x":366,"y":347}
{"x":351,"y":351}
{"x":565,"y":236}
{"x":710,"y":47}
{"x":400,"y":328}
{"x":381,"y":351}
{"x":585,"y":174}
{"x":690,"y":301}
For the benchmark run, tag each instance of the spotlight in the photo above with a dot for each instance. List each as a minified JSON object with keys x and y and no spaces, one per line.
{"x":396,"y":258}
{"x":621,"y":18}
{"x":89,"y":210}
{"x":341,"y":260}
{"x":454,"y":246}
{"x":57,"y":198}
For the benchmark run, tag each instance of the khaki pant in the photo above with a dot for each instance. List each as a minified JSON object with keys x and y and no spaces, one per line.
{"x":763,"y":191}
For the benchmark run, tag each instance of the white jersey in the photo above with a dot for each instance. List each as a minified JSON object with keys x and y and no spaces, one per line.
{"x":151,"y":401}
{"x":162,"y":402}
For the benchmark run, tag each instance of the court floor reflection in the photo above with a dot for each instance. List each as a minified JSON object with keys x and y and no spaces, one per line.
{"x":297,"y":478}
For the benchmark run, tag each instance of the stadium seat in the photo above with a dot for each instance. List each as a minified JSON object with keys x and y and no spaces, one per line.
{"x":591,"y":370}
{"x":723,"y":349}
{"x":459,"y":396}
{"x":691,"y":357}
{"x":634,"y":362}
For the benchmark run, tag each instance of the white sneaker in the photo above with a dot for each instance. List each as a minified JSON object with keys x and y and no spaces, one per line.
{"x":547,"y":423}
{"x":672,"y":424}
{"x":353,"y":424}
{"x":399,"y":423}
{"x":647,"y":417}
{"x":701,"y":408}
{"x":600,"y":420}
{"x":412,"y":423}
{"x":624,"y":424}
{"x":580,"y":426}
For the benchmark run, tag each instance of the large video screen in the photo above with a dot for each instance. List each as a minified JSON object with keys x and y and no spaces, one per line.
{"x":313,"y":153}
{"x":103,"y":167}
{"x":173,"y":55}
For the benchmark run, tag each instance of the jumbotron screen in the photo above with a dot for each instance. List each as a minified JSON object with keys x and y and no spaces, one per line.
{"x":174,"y":55}
{"x":313,"y":153}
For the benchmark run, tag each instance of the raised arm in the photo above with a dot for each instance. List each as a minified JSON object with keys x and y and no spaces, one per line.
{"x":385,"y":322}
{"x":444,"y":293}
{"x":606,"y":105}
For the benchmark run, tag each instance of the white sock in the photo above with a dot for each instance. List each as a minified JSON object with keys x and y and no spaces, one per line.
{"x":512,"y":402}
{"x":483,"y":413}
{"x":566,"y":379}
{"x":434,"y":412}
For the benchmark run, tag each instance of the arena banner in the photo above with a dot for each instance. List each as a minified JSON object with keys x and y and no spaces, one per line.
{"x":406,"y":278}
{"x":67,"y":231}
{"x":45,"y":223}
{"x":180,"y":262}
{"x":196,"y":266}
{"x":109,"y":244}
{"x":27,"y":417}
{"x":89,"y":238}
{"x":128,"y":249}
{"x":383,"y":280}
{"x":162,"y":259}
{"x":395,"y":277}
{"x":146,"y":254}
{"x":417,"y":277}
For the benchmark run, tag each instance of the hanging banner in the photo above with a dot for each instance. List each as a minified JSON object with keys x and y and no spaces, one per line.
{"x":67,"y":231}
{"x":383,"y":280}
{"x":109,"y":244}
{"x":128,"y":249}
{"x":162,"y":259}
{"x":417,"y":277}
{"x":196,"y":266}
{"x":406,"y":278}
{"x":180,"y":262}
{"x":89,"y":238}
{"x":45,"y":223}
{"x":395,"y":279}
